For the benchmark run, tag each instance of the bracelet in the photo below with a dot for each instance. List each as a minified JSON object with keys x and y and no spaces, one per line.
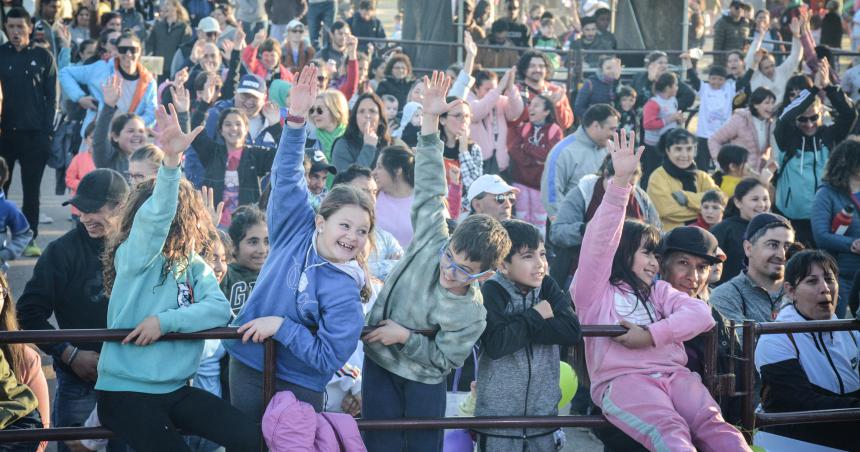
{"x":295,"y":119}
{"x":73,"y":356}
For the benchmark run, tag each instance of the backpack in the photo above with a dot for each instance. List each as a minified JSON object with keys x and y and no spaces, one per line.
{"x":290,"y":425}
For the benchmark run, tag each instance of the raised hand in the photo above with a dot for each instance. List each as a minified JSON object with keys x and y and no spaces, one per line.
{"x":304,"y":92}
{"x":181,"y":98}
{"x":822,"y":77}
{"x":111,"y":90}
{"x":207,"y":196}
{"x":351,"y":46}
{"x":271,"y":112}
{"x":170,"y":136}
{"x":239,"y":39}
{"x":625,"y":157}
{"x":64,"y":36}
{"x":181,"y":77}
{"x":435,"y":91}
{"x":795,"y":27}
{"x":210,"y":90}
{"x":469,"y":44}
{"x":259,"y":38}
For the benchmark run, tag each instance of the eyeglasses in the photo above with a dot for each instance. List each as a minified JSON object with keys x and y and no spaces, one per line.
{"x":316,"y":111}
{"x":212,"y":34}
{"x":297,"y":30}
{"x":126,"y":49}
{"x":137,"y":177}
{"x":502,"y":197}
{"x":805,"y":119}
{"x":460,"y":274}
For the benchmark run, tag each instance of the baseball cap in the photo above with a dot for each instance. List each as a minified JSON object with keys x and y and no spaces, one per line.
{"x":208,"y":25}
{"x":740,"y":4}
{"x":318,"y":161}
{"x":295,"y":23}
{"x":252,"y":84}
{"x":692,"y":240}
{"x":98,"y":188}
{"x":766,"y":220}
{"x":489,"y":183}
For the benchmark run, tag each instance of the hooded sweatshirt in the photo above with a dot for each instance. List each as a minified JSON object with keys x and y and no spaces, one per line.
{"x":802,"y":158}
{"x":298,"y":284}
{"x":237,"y":285}
{"x":520,"y":348}
{"x":675,"y":317}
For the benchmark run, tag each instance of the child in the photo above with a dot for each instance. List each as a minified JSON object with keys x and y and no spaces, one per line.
{"x":404,"y":373}
{"x":116,"y":136}
{"x":12,"y":221}
{"x":528,"y":317}
{"x":639,"y":379}
{"x":158,"y":283}
{"x":81,"y":165}
{"x":250,"y":238}
{"x":733,"y":161}
{"x":263,"y":58}
{"x":529,"y":146}
{"x":659,"y":115}
{"x":314,"y":279}
{"x":547,"y":40}
{"x":391,"y":109}
{"x":715,"y":105}
{"x":626,"y":105}
{"x":144,"y":163}
{"x":410,"y":124}
{"x":713,"y":205}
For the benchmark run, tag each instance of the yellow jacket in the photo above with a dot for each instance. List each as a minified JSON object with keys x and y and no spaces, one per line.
{"x":660,"y":188}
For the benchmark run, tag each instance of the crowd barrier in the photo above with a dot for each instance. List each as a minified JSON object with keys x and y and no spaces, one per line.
{"x":718,"y":385}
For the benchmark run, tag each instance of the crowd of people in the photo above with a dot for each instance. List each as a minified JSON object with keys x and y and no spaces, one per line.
{"x":424,"y":245}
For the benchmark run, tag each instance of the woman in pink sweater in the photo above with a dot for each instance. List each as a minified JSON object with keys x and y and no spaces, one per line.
{"x":639,"y":378}
{"x":750,"y":128}
{"x":494,"y":103}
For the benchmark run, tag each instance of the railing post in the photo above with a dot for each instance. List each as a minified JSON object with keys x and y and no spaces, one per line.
{"x":748,"y":410}
{"x":268,"y":371}
{"x":710,"y":364}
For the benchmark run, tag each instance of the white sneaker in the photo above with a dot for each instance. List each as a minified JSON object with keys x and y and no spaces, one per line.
{"x":44,"y":219}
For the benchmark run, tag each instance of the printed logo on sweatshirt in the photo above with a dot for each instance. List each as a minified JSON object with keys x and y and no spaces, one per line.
{"x":293,"y":275}
{"x":185,"y":295}
{"x":307,"y":308}
{"x":239,"y":293}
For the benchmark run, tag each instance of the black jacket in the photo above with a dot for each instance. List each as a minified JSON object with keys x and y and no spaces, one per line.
{"x":366,"y":29}
{"x":67,"y":283}
{"x":29,"y":80}
{"x":730,"y":235}
{"x":397,"y":88}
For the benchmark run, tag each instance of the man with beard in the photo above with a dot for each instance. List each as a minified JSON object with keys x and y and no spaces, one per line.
{"x":67,"y":284}
{"x":755,"y":293}
{"x":534,"y":70}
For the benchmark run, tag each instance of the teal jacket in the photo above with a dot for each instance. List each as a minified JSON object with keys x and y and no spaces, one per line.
{"x":185,"y":302}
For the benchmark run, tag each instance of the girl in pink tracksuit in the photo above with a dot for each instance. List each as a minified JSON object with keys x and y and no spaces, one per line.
{"x":639,"y":379}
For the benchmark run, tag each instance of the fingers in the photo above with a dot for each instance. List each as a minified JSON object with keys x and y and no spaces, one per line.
{"x":131,"y":336}
{"x":627,"y":324}
{"x":194,"y":133}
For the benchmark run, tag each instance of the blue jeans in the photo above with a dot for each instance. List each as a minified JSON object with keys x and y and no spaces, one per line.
{"x":389,"y":396}
{"x":28,"y":422}
{"x":74,"y":400}
{"x":322,"y":12}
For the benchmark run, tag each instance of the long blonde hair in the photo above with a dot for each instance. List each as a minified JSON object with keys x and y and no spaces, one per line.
{"x":346,"y":195}
{"x":181,"y":12}
{"x":336,"y":103}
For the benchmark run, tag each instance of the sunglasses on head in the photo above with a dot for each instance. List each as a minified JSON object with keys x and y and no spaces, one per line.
{"x":126,"y":49}
{"x":316,"y":111}
{"x":805,"y":119}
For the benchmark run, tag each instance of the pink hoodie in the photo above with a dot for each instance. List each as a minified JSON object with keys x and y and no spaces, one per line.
{"x":490,"y":116}
{"x":681,"y":317}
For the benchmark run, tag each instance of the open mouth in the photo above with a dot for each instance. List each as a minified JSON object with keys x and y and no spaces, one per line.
{"x":345,"y":246}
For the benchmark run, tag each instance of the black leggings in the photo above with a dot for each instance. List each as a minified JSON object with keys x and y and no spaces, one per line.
{"x":149,"y":422}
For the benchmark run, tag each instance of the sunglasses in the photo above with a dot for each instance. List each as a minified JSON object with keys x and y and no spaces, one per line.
{"x":805,"y":119}
{"x":211,"y":34}
{"x":126,"y":49}
{"x":501,"y":198}
{"x":297,"y":30}
{"x":316,"y":111}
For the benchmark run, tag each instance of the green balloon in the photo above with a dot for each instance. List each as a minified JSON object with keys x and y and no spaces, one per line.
{"x":568,"y":383}
{"x":758,"y":449}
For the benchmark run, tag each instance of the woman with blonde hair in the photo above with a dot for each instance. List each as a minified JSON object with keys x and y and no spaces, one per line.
{"x":170,"y":31}
{"x":329,"y":115}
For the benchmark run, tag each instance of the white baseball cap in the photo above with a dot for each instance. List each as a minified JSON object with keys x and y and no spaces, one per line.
{"x":489,"y":183}
{"x":208,"y":25}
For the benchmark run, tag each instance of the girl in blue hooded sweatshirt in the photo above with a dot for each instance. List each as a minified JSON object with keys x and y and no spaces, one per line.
{"x":308,"y":296}
{"x":159,"y":284}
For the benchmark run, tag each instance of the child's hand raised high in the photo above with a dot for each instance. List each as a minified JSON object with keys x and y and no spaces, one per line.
{"x":302,"y":95}
{"x":433,"y":104}
{"x":170,"y":136}
{"x":625,"y":157}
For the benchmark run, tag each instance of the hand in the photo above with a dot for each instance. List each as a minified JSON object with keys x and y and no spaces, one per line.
{"x":111,"y":90}
{"x":170,"y":136}
{"x":635,"y":337}
{"x":351,"y":405}
{"x":239,"y":39}
{"x":469,"y":45}
{"x":207,"y":197}
{"x":210,"y":90}
{"x":181,"y":77}
{"x":64,"y":36}
{"x":544,"y":309}
{"x":625,"y":157}
{"x":505,"y":82}
{"x":197,"y":51}
{"x":759,"y":55}
{"x":762,"y":27}
{"x":304,"y":91}
{"x":680,"y":198}
{"x":271,"y":112}
{"x":88,"y":102}
{"x":795,"y":27}
{"x":388,"y":332}
{"x":86,"y":365}
{"x":678,"y":117}
{"x":260,"y":329}
{"x":259,"y":38}
{"x":146,"y":333}
{"x":351,"y":47}
{"x":822,"y":77}
{"x":181,"y":99}
{"x":435,"y":91}
{"x":227,"y":47}
{"x":556,"y":96}
{"x":370,"y":137}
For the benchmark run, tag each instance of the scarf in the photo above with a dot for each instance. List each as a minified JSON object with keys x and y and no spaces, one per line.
{"x":686,"y":176}
{"x":633,"y":209}
{"x":144,"y":77}
{"x":327,"y":138}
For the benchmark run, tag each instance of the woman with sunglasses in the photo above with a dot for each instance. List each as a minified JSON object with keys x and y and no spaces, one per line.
{"x":329,"y":115}
{"x":296,"y":52}
{"x":395,"y":178}
{"x":804,"y":147}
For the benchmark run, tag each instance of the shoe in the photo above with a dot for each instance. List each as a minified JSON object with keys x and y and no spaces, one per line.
{"x":32,"y":249}
{"x":44,"y":219}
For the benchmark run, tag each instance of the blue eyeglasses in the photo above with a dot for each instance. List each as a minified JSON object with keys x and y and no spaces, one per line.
{"x":460,"y":273}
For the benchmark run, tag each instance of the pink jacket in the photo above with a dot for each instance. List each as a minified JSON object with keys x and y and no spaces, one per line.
{"x":740,"y":130}
{"x":681,"y":317}
{"x":290,"y":425}
{"x":490,"y":116}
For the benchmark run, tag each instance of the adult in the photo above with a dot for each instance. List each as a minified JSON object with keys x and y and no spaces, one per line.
{"x":395,"y":176}
{"x":811,"y":371}
{"x":329,"y":115}
{"x":460,"y":155}
{"x":282,"y":14}
{"x":763,"y":64}
{"x":839,"y":193}
{"x":518,"y":32}
{"x":67,"y":284}
{"x":731,"y":30}
{"x":491,"y":195}
{"x":263,"y":58}
{"x":208,"y":30}
{"x":755,"y":293}
{"x":494,"y":103}
{"x":80,"y":26}
{"x":750,"y":128}
{"x":172,"y":30}
{"x":320,"y":12}
{"x":772,"y":40}
{"x":366,"y":134}
{"x":398,"y":79}
{"x":223,"y":13}
{"x":44,"y":23}
{"x":589,"y":40}
{"x":579,"y":154}
{"x":28,"y":76}
{"x":335,"y":50}
{"x":533,"y":69}
{"x":138,"y":94}
{"x":751,"y":197}
{"x":804,"y":148}
{"x":250,"y":97}
{"x":252,"y":16}
{"x":657,"y":64}
{"x":501,"y":55}
{"x":365,"y":24}
{"x":296,"y":52}
{"x":831,"y":26}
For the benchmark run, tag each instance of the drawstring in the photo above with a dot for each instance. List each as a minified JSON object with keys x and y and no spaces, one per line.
{"x":803,"y":151}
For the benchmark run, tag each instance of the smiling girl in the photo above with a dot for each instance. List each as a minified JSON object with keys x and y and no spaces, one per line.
{"x":250,"y":237}
{"x":751,"y":197}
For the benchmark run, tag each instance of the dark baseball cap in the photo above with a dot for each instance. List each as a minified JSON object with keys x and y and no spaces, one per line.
{"x":252,"y":84}
{"x":99,"y":187}
{"x":692,"y":240}
{"x":766,"y":220}
{"x":319,"y":161}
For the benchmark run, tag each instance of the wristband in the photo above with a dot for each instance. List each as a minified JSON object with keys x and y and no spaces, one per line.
{"x":295,"y":119}
{"x":72,"y":356}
